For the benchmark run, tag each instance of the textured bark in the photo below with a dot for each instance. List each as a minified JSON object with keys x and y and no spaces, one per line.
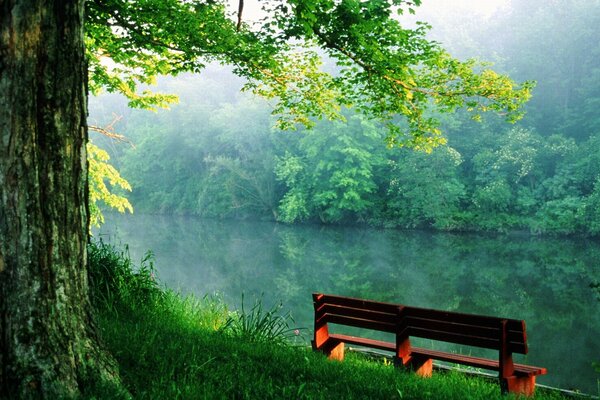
{"x":49,"y":348}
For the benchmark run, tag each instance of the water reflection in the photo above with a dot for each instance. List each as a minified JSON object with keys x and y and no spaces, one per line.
{"x":544,"y":281}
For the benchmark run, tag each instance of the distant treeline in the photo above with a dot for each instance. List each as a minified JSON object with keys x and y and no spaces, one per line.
{"x":216,"y":155}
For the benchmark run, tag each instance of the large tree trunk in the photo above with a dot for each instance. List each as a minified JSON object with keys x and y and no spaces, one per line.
{"x":48,"y":346}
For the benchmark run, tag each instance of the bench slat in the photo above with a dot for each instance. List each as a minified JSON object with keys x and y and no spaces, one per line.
{"x":356,"y":322}
{"x":450,"y":337}
{"x":356,"y":303}
{"x":376,"y":344}
{"x":461,"y":318}
{"x":448,"y":326}
{"x":487,"y":337}
{"x":356,"y":313}
{"x":477,"y":362}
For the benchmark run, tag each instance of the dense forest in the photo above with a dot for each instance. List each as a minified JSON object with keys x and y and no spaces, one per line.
{"x":216,"y":154}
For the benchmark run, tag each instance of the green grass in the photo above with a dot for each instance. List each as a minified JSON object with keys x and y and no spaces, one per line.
{"x":174,"y":347}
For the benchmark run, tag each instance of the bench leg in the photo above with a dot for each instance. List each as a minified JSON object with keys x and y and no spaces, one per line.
{"x":337,"y":352}
{"x":334,"y":350}
{"x":524,"y":385}
{"x":422,"y":366}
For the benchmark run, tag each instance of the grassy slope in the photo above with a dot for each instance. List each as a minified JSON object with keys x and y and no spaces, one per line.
{"x":170,"y":347}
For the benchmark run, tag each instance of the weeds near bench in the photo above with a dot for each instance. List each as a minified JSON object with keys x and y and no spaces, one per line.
{"x":258,"y":325}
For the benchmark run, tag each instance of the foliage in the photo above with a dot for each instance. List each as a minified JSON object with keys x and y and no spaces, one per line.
{"x":505,"y":178}
{"x":425,"y":189}
{"x":332,"y":172}
{"x":258,"y":325}
{"x":561,"y":216}
{"x":591,"y":210}
{"x":383,"y":69}
{"x":99,"y":172}
{"x":386,"y":70}
{"x":193,"y":160}
{"x":215,"y":155}
{"x":202,"y":163}
{"x":250,"y":156}
{"x":596,"y":286}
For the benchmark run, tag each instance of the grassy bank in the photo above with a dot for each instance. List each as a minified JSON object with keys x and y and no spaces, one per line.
{"x":171,"y":347}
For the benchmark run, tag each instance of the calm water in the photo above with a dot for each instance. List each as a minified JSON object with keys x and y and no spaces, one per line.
{"x":544,"y":281}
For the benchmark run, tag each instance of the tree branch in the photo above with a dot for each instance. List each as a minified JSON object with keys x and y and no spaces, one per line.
{"x":240,"y":9}
{"x":108,"y":131}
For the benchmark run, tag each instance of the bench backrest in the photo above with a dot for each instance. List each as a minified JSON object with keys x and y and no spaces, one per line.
{"x":404,"y":321}
{"x":355,"y":312}
{"x":467,"y":329}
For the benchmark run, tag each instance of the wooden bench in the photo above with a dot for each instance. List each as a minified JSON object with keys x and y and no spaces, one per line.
{"x":507,"y":336}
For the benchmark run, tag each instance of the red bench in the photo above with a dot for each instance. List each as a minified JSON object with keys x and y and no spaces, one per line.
{"x":507,"y":336}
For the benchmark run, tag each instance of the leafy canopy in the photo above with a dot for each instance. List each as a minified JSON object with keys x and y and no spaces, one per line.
{"x":386,"y":71}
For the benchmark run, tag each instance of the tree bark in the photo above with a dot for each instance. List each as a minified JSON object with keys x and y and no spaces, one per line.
{"x":48,"y":345}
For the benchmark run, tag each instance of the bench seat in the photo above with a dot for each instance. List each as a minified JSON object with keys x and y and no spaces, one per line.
{"x":476,"y":362}
{"x":358,"y":341}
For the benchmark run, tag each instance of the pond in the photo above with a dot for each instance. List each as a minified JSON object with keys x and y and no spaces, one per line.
{"x":545,"y":281}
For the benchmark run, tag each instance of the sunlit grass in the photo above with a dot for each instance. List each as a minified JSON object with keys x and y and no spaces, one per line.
{"x":174,"y":347}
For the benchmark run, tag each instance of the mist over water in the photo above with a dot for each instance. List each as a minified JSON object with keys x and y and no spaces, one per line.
{"x":544,"y":281}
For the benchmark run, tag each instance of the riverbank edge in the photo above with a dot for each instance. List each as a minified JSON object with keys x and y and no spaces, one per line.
{"x":508,"y":231}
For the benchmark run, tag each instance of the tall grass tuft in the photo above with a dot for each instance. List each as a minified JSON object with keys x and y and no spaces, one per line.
{"x":260,"y":325}
{"x":114,"y":280}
